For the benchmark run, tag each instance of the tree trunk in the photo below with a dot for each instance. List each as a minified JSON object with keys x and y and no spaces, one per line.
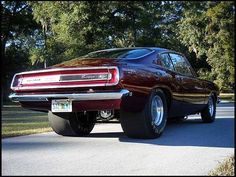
{"x":45,"y":42}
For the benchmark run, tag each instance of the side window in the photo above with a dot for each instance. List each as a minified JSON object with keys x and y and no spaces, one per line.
{"x":181,"y":66}
{"x":166,"y":62}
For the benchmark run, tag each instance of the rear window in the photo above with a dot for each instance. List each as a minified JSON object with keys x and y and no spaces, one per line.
{"x":118,"y":53}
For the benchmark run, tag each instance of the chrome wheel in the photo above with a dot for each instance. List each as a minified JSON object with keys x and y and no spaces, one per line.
{"x":105,"y":114}
{"x":211,"y":106}
{"x":157,"y":110}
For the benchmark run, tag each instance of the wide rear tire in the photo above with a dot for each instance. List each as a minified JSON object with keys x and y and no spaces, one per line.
{"x":150,"y":122}
{"x":72,"y":124}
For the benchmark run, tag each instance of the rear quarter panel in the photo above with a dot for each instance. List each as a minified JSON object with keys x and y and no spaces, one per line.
{"x":140,"y":79}
{"x":211,"y":88}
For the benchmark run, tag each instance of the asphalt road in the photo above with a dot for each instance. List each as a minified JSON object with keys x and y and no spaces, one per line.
{"x":187,"y":148}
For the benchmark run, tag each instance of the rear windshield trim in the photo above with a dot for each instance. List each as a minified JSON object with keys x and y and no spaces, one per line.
{"x":149,"y":53}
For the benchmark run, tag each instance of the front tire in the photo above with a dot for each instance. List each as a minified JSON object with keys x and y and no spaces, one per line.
{"x":72,"y":124}
{"x":150,"y":122}
{"x":208,"y":113}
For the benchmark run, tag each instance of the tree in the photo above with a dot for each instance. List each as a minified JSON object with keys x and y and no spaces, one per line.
{"x":75,"y":28}
{"x":17,"y":27}
{"x":207,"y":28}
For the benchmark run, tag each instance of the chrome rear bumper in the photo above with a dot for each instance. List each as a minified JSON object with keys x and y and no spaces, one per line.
{"x":74,"y":96}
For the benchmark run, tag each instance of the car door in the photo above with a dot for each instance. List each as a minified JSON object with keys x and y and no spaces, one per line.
{"x":175,"y":86}
{"x":193,"y":89}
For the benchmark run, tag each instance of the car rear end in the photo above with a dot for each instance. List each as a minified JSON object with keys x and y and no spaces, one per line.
{"x":70,"y":89}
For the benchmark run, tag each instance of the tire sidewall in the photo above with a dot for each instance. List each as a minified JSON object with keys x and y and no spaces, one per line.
{"x":156,"y":130}
{"x":212,"y":117}
{"x":82,"y":128}
{"x":205,"y":114}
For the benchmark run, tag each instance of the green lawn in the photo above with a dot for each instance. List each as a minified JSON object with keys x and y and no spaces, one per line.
{"x":18,"y":121}
{"x":227,"y":96}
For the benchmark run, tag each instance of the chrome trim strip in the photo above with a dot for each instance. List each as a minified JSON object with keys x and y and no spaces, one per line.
{"x":61,"y":78}
{"x":64,"y":86}
{"x":66,"y":69}
{"x":68,"y":86}
{"x":74,"y":96}
{"x":75,"y":80}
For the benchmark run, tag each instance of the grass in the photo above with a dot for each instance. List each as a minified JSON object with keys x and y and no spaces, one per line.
{"x":17,"y":121}
{"x":227,"y":96}
{"x":224,"y":169}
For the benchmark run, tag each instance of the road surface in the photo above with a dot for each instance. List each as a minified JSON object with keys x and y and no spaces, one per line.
{"x":187,"y":148}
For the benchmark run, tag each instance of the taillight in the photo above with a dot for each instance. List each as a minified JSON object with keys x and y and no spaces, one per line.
{"x":115,"y":76}
{"x":66,"y":77}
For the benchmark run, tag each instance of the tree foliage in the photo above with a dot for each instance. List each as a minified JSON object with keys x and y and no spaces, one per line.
{"x":75,"y":28}
{"x":208,"y":29}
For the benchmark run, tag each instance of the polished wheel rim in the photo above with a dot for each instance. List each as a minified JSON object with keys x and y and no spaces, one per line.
{"x":157,"y":110}
{"x":106,"y":113}
{"x":211,"y":106}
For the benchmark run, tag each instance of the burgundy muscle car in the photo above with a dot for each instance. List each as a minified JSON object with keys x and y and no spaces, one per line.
{"x":141,"y":86}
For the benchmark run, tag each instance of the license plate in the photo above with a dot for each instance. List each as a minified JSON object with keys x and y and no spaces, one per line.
{"x":64,"y":105}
